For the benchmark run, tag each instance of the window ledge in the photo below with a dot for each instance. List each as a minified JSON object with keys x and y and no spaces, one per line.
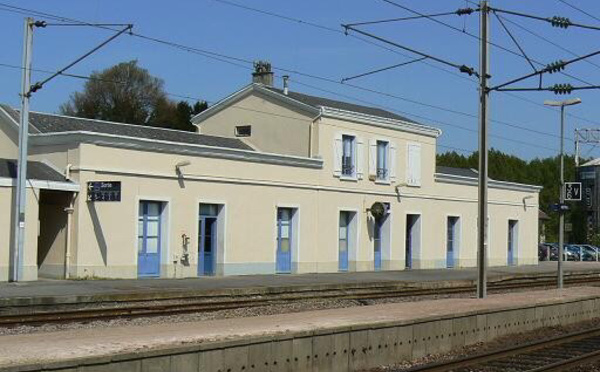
{"x":383,"y":182}
{"x":349,"y":178}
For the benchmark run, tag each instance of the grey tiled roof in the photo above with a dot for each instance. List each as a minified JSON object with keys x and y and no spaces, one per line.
{"x":326,"y":102}
{"x":463,"y":172}
{"x":49,"y":123}
{"x":35,"y":171}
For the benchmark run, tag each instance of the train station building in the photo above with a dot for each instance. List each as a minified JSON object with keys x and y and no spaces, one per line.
{"x":274,"y":181}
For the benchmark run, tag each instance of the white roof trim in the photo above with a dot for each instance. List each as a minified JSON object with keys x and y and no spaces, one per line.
{"x":173,"y":148}
{"x":42,"y":184}
{"x":382,"y":122}
{"x":361,"y":118}
{"x":244,"y":92}
{"x":503,"y":185}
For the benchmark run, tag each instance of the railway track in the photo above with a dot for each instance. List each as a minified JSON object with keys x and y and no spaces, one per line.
{"x":560,"y":353}
{"x":105,"y":310}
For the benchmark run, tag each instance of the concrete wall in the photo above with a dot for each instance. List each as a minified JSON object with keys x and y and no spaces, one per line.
{"x":275,"y":128}
{"x":342,"y":348}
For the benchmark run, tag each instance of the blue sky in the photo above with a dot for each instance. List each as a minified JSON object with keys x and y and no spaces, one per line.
{"x":412,"y":90}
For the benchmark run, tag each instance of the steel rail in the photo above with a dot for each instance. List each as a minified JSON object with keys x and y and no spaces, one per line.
{"x":470,"y":362}
{"x":45,"y":314}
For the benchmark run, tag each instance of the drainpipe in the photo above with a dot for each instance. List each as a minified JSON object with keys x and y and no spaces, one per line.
{"x":69,"y":211}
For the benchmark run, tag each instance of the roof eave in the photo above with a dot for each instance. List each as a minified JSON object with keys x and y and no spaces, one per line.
{"x":378,"y":121}
{"x":173,"y":147}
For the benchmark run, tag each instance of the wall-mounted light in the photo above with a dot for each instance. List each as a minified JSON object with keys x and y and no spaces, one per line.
{"x":181,"y":164}
{"x":525,"y":201}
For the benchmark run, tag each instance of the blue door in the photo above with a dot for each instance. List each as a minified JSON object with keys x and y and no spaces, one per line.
{"x":410,"y":223}
{"x":284,"y":241}
{"x":511,"y":241}
{"x":344,"y":235}
{"x":377,"y":245}
{"x":149,"y":237}
{"x":451,"y":241}
{"x":207,"y":245}
{"x":207,"y":239}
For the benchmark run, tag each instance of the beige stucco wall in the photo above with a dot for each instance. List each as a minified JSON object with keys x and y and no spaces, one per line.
{"x":250,"y":192}
{"x":275,"y":128}
{"x":8,"y":142}
{"x":104,"y":235}
{"x":31,"y":233}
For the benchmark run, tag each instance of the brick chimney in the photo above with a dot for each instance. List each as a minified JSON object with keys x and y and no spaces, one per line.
{"x":262,"y":73}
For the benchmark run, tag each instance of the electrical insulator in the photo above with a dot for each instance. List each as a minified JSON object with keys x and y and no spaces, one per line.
{"x":465,"y":11}
{"x":562,"y":88}
{"x":555,"y":66}
{"x":562,"y":22}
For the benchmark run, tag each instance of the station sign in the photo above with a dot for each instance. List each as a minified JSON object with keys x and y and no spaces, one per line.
{"x":572,"y":191}
{"x":104,"y":191}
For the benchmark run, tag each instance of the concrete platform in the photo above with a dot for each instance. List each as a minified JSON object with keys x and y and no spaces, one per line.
{"x":348,"y":339}
{"x":74,"y":291}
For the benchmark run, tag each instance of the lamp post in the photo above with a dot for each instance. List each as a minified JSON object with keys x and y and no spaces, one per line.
{"x":561,"y":212}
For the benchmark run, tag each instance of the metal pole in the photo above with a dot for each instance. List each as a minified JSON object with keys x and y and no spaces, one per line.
{"x":483,"y":153}
{"x":576,"y":148}
{"x":20,"y":200}
{"x":561,"y":213}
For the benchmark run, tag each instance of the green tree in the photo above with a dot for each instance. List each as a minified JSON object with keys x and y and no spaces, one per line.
{"x":128,"y":93}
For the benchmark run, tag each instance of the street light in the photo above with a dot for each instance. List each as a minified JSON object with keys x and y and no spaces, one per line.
{"x":561,"y":212}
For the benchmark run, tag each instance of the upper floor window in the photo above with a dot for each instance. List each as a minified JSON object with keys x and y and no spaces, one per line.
{"x":348,"y":156}
{"x":382,"y":160}
{"x":243,"y":131}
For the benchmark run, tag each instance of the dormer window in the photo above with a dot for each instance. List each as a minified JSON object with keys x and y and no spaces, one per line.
{"x":243,"y":131}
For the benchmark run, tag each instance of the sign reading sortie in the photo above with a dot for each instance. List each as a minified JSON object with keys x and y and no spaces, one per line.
{"x":104,"y":191}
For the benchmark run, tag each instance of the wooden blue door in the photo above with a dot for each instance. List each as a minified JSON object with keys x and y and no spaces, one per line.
{"x":207,"y":245}
{"x":207,"y":239}
{"x":410,"y":222}
{"x":284,"y":241}
{"x":344,"y":235}
{"x":451,"y":240}
{"x":377,"y":245}
{"x":149,"y":238}
{"x":512,"y":226}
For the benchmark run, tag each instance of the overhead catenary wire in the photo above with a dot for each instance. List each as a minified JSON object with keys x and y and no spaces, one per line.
{"x":476,"y":37}
{"x":188,"y":97}
{"x":424,"y":62}
{"x":212,"y":54}
{"x":383,"y":69}
{"x":556,"y":21}
{"x":515,"y":41}
{"x":456,"y":12}
{"x":579,"y":10}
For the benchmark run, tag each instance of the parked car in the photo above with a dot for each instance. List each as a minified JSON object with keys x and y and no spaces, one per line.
{"x":544,"y":251}
{"x":572,"y":252}
{"x":589,"y":252}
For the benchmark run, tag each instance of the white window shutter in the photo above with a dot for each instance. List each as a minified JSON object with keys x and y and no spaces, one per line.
{"x":359,"y":158}
{"x":372,"y":159}
{"x":413,"y":172}
{"x":393,"y":162}
{"x":337,"y":155}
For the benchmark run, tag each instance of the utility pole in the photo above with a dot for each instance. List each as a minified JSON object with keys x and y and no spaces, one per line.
{"x":561,"y":212}
{"x":20,"y":199}
{"x":483,"y":152}
{"x":561,"y":203}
